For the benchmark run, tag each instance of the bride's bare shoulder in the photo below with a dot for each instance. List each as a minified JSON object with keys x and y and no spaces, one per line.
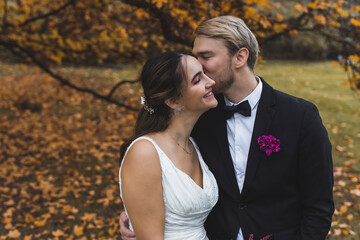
{"x":141,"y":155}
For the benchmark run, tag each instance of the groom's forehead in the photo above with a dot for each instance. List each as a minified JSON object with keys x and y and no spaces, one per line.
{"x":204,"y":44}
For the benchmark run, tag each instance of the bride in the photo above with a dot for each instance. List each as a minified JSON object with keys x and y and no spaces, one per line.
{"x":166,"y":188}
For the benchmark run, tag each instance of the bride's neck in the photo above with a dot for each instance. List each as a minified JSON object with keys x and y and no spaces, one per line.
{"x":180,"y":127}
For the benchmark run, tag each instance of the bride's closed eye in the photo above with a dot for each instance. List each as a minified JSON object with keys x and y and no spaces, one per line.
{"x":197,"y":80}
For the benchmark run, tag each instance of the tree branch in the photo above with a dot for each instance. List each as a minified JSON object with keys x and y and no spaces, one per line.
{"x":164,"y":18}
{"x":338,"y":39}
{"x":5,"y":16}
{"x":59,"y":78}
{"x":118,"y":85}
{"x":27,"y":21}
{"x":293,"y":24}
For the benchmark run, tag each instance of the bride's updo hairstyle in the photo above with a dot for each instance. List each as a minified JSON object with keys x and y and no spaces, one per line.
{"x":162,"y":78}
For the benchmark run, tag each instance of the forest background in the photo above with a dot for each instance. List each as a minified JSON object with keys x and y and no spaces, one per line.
{"x":69,"y":98}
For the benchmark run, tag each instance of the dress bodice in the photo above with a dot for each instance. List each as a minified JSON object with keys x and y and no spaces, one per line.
{"x":187,"y":205}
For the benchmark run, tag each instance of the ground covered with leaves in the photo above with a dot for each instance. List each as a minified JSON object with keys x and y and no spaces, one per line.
{"x":59,"y":149}
{"x":59,"y":158}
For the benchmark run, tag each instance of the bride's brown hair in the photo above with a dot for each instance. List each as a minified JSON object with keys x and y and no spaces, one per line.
{"x":162,"y":78}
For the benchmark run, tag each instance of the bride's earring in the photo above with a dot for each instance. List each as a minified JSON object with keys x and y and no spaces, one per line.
{"x":178,"y":109}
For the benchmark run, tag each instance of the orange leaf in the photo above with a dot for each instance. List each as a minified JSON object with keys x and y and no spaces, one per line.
{"x":320,"y":19}
{"x":14,"y":234}
{"x":40,"y":223}
{"x":345,"y":14}
{"x":294,"y":31}
{"x":300,"y":8}
{"x":57,"y":233}
{"x":250,"y":12}
{"x":350,"y":217}
{"x":312,"y":5}
{"x":78,"y":230}
{"x":355,"y":58}
{"x":88,"y":216}
{"x":355,"y":22}
{"x":343,"y":209}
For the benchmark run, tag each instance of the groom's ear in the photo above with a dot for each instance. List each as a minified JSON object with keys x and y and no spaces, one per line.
{"x":240,"y":58}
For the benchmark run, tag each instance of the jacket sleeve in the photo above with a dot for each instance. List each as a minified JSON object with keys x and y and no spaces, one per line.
{"x":315,"y":177}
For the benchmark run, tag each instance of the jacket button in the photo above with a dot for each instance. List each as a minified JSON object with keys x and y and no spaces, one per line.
{"x":242,"y":205}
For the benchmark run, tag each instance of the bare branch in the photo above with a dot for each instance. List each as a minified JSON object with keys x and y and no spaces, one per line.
{"x":13,"y":46}
{"x":293,"y":24}
{"x":164,"y":18}
{"x":338,"y":39}
{"x":109,"y":95}
{"x":53,"y":12}
{"x":5,"y":16}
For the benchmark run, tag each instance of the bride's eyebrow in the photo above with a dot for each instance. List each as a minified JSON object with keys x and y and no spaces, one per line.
{"x":196,"y":74}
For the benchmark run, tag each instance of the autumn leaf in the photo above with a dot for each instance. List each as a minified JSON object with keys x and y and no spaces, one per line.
{"x":57,"y":233}
{"x":78,"y":230}
{"x":88,"y":217}
{"x":14,"y":234}
{"x":300,"y":7}
{"x":320,"y":19}
{"x":355,"y":58}
{"x":355,"y":22}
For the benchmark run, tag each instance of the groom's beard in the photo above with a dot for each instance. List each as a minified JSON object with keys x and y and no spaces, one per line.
{"x":224,"y":80}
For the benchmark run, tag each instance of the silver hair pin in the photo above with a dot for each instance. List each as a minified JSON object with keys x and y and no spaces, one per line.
{"x":146,"y":106}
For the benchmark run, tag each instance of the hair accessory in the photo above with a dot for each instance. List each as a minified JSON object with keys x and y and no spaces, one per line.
{"x":178,"y":109}
{"x":146,"y":106}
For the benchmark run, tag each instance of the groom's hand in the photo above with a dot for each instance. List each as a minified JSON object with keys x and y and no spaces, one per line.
{"x":126,"y":233}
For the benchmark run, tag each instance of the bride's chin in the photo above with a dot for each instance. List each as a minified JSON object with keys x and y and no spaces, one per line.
{"x":213,"y":103}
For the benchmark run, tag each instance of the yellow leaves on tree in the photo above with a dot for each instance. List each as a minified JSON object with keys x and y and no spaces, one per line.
{"x":159,"y":3}
{"x":320,"y":19}
{"x":355,"y":22}
{"x":355,"y":58}
{"x":250,"y":12}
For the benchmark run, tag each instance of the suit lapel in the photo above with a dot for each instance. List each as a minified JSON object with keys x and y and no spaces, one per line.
{"x":264,"y":117}
{"x":229,"y":181}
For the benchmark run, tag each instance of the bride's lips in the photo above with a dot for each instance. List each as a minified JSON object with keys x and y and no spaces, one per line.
{"x":209,"y":94}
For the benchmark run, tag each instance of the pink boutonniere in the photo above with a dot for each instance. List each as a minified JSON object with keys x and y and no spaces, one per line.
{"x":251,"y":237}
{"x":269,"y":144}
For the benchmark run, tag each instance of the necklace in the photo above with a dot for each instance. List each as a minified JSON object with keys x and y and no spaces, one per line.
{"x":184,"y":149}
{"x":192,"y":150}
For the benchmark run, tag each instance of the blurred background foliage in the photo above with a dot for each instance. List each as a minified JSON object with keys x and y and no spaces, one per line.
{"x":69,"y":95}
{"x":93,"y":32}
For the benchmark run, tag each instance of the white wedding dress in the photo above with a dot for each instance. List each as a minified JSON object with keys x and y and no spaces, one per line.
{"x":187,"y":205}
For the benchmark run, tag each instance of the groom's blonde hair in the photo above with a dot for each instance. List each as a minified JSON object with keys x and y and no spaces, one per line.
{"x":235,"y":34}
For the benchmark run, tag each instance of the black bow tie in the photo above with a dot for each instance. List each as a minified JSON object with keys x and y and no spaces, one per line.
{"x":242,"y":108}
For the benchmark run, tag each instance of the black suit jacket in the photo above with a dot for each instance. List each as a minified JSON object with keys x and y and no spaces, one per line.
{"x":288,"y":194}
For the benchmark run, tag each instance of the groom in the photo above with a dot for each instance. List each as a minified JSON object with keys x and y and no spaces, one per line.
{"x":271,"y":155}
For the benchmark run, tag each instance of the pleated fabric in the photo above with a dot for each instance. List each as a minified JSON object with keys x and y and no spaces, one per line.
{"x":187,"y":205}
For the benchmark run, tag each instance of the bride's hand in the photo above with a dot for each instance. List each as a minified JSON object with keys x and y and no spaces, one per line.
{"x":126,"y":233}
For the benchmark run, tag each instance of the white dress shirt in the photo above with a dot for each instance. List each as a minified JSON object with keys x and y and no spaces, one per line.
{"x":239,"y":132}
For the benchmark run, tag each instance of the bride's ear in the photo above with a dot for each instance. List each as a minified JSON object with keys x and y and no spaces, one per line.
{"x":171,"y":103}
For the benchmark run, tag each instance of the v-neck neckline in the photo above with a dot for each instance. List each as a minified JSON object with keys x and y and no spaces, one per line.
{"x":181,"y":171}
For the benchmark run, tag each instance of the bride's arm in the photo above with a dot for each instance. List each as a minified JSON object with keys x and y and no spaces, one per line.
{"x":142,"y":191}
